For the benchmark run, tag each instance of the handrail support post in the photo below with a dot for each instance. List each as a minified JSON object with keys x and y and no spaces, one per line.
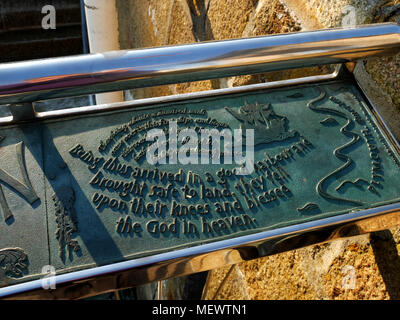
{"x":22,"y":111}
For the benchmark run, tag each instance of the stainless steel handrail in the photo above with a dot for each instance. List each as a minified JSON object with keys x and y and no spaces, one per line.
{"x":35,"y":80}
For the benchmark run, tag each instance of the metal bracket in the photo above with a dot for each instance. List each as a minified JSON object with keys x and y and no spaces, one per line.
{"x":22,"y":111}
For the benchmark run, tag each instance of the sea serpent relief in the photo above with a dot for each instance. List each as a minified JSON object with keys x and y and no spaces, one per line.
{"x":321,"y":188}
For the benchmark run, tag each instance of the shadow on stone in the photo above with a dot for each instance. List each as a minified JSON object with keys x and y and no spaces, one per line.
{"x":388,"y":260}
{"x":194,"y":285}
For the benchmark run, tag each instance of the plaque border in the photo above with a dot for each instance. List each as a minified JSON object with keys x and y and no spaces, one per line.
{"x":197,"y":258}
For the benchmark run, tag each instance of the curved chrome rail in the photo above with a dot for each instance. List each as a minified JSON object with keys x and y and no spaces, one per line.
{"x":35,"y":80}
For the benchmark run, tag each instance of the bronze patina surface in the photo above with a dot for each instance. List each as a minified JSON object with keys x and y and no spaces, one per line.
{"x":78,"y":192}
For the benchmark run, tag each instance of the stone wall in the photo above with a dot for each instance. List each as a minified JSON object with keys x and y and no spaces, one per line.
{"x":315,"y":272}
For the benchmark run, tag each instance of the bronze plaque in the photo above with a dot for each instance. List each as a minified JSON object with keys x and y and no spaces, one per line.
{"x":80,"y":192}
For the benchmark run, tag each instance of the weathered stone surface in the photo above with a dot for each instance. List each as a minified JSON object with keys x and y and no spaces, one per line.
{"x":331,"y":13}
{"x":227,"y":283}
{"x":317,"y":272}
{"x":383,"y":70}
{"x":228,"y":19}
{"x":269,"y":17}
{"x":154,"y":23}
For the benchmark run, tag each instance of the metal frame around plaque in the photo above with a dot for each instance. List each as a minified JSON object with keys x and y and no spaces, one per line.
{"x":62,"y":77}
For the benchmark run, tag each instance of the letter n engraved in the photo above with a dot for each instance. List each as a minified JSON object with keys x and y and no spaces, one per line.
{"x":24,"y":188}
